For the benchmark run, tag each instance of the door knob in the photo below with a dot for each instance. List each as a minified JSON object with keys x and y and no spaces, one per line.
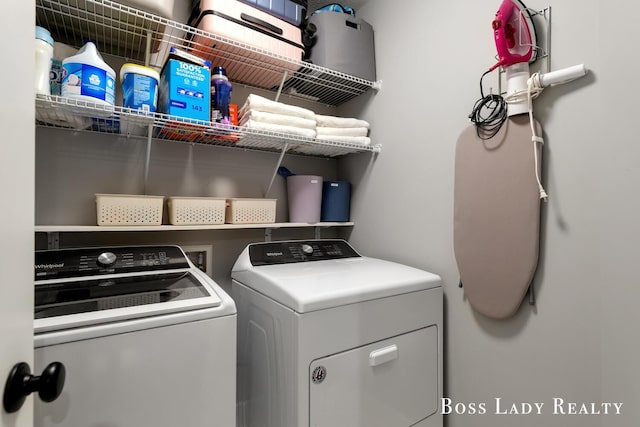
{"x":21,"y":384}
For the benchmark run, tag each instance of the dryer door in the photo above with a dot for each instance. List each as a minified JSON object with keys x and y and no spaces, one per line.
{"x":389,"y":383}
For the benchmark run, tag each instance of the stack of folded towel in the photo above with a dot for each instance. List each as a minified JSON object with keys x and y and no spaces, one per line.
{"x":342,"y":129}
{"x":263,"y":114}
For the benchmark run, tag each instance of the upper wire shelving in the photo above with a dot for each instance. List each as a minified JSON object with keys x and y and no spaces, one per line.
{"x":56,"y":111}
{"x":141,"y":37}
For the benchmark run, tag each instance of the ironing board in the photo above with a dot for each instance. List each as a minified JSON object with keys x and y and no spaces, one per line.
{"x":496,"y":216}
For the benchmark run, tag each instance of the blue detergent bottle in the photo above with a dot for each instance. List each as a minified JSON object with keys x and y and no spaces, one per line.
{"x":220,"y":95}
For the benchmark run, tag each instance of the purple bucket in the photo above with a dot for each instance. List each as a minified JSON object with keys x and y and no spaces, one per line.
{"x":305,"y":198}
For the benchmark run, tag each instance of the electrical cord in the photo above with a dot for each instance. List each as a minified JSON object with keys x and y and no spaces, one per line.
{"x":489,"y":113}
{"x":532,"y":91}
{"x":534,"y":88}
{"x":488,"y":125}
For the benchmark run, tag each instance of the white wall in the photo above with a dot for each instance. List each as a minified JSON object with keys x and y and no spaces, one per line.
{"x":17,"y":114}
{"x":580,"y":341}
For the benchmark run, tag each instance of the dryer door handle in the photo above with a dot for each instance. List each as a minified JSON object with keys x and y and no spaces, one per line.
{"x":383,"y":355}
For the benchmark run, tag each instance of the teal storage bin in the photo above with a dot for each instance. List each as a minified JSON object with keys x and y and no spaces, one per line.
{"x":336,"y":201}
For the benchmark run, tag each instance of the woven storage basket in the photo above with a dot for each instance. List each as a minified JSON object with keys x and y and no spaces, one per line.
{"x":251,"y":211}
{"x":129,"y":209}
{"x":196,"y":210}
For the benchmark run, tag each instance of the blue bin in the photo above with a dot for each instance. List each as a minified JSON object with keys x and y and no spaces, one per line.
{"x":336,"y":199}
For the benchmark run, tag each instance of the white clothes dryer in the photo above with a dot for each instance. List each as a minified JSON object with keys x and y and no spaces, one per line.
{"x":147,"y":339}
{"x":330,"y":338}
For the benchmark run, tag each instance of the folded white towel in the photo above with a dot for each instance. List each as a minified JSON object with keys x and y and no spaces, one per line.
{"x":361,"y":131}
{"x":270,"y":127}
{"x":340,"y":122}
{"x":277,"y":119}
{"x":258,"y":103}
{"x":362,"y":140}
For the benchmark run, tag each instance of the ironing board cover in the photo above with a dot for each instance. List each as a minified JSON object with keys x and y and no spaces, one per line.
{"x":496,"y":216}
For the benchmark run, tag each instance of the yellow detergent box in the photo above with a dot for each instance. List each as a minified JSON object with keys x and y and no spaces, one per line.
{"x":185,"y":86}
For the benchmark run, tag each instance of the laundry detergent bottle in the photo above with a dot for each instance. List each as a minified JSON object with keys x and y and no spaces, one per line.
{"x":220,"y":96}
{"x":44,"y":53}
{"x":87,"y":77}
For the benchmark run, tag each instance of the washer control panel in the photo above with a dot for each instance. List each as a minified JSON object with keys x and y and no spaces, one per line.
{"x":271,"y":253}
{"x":63,"y":263}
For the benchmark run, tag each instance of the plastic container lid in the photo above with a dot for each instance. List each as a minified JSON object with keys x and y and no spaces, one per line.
{"x":44,"y":34}
{"x":219,"y":73}
{"x":138,"y":69}
{"x":91,"y":51}
{"x":89,"y":54}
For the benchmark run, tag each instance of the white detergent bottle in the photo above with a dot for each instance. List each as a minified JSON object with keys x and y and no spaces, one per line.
{"x":87,"y":77}
{"x":44,"y":53}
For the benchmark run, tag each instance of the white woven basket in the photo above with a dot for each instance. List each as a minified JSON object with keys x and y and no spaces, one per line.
{"x":129,"y":209}
{"x":251,"y":211}
{"x":196,"y":210}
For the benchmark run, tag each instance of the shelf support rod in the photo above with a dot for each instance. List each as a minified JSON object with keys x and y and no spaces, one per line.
{"x":147,"y":157}
{"x":275,"y":171}
{"x":284,"y":78}
{"x":267,"y":234}
{"x":318,"y":232}
{"x":147,"y":57}
{"x":147,"y":52}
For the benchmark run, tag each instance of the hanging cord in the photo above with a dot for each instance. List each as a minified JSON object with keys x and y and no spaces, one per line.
{"x":533,"y":90}
{"x":488,"y":126}
{"x":489,"y":113}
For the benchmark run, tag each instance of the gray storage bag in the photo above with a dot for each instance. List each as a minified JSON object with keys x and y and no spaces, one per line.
{"x":343,"y":43}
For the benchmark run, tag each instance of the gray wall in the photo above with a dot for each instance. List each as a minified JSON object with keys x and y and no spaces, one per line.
{"x":580,"y":341}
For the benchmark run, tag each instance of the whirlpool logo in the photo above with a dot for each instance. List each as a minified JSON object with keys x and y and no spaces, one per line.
{"x":49,"y":266}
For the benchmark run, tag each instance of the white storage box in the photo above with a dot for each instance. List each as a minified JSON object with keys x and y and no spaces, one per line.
{"x":251,"y":211}
{"x":196,"y":210}
{"x":129,"y":209}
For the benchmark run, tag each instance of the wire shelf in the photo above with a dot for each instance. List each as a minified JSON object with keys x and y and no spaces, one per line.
{"x":141,"y":37}
{"x":70,"y":113}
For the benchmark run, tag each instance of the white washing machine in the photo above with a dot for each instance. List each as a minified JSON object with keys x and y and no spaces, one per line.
{"x":330,"y":338}
{"x":147,"y":339}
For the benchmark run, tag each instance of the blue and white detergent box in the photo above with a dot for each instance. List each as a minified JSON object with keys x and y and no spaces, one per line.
{"x":185,"y":87}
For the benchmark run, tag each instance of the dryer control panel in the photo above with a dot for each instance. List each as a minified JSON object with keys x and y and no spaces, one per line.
{"x":288,"y":252}
{"x":64,"y":263}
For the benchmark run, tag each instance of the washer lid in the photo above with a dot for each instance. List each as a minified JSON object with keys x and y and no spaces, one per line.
{"x":65,"y":304}
{"x":306,"y":286}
